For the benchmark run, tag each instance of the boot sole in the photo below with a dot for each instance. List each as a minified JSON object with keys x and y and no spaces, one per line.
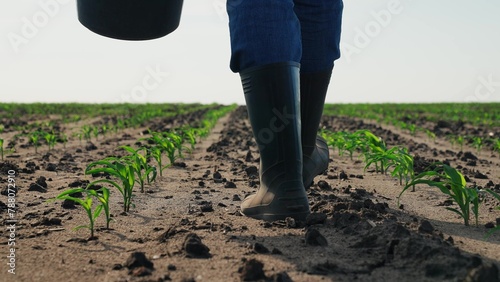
{"x":297,"y":208}
{"x":274,"y":217}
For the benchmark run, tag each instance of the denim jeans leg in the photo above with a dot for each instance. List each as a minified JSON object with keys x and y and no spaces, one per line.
{"x":320,"y":22}
{"x":263,"y":32}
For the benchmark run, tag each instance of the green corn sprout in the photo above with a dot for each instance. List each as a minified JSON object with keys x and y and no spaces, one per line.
{"x":156,"y":152}
{"x":139,"y":163}
{"x":460,"y":141}
{"x":478,"y":143}
{"x":452,"y":140}
{"x":86,"y":132}
{"x":190,"y":134}
{"x":35,"y":139}
{"x":402,"y":162}
{"x":103,"y":196}
{"x":121,"y":170}
{"x":177,"y":141}
{"x":383,"y":157}
{"x":332,"y":139}
{"x":64,"y":139}
{"x":86,"y":204}
{"x":376,"y":150}
{"x":431,"y":135}
{"x":451,"y":183}
{"x":79,"y":135}
{"x":166,"y":144}
{"x":1,"y":147}
{"x":51,"y":139}
{"x":413,"y":129}
{"x":120,"y":124}
{"x":104,"y":129}
{"x":95,"y":132}
{"x":496,"y":145}
{"x":203,"y":132}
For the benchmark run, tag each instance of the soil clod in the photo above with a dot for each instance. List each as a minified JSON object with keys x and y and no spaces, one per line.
{"x":40,"y":185}
{"x":252,"y":270}
{"x":194,"y":247}
{"x":314,"y":238}
{"x":138,"y":259}
{"x":425,"y":227}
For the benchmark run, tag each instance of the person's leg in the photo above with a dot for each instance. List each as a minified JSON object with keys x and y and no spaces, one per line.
{"x":263,"y":32}
{"x":266,"y":50}
{"x":320,"y":27}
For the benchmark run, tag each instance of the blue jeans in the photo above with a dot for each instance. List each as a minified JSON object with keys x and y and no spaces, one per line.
{"x":270,"y":31}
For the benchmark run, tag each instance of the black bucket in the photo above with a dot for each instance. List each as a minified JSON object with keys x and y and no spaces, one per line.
{"x":130,"y":19}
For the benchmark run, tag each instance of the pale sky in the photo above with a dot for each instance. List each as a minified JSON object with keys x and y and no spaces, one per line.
{"x":425,"y":51}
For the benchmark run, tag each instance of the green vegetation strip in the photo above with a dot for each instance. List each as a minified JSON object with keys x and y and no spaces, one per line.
{"x":406,"y":117}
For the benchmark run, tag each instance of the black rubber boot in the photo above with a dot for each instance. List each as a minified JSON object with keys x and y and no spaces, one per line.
{"x":313,"y":87}
{"x":272,"y":98}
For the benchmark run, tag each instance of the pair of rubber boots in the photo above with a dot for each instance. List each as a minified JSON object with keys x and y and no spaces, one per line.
{"x":285,"y":108}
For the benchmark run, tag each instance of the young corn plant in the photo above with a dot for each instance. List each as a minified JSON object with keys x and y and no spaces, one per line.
{"x":452,"y":183}
{"x":86,"y":132}
{"x":156,"y":152}
{"x":478,"y":143}
{"x":431,"y":135}
{"x":166,"y":143}
{"x":203,"y":133}
{"x":334,"y":140}
{"x":402,"y":163}
{"x":51,"y":139}
{"x":102,"y":195}
{"x":353,"y":142}
{"x":1,"y":148}
{"x":64,"y":139}
{"x":86,"y":204}
{"x":460,"y":141}
{"x":496,"y":145}
{"x":378,"y":156}
{"x":177,"y":142}
{"x":96,"y":132}
{"x":376,"y":151}
{"x":413,"y":129}
{"x":35,"y":139}
{"x":189,"y":134}
{"x":139,"y":163}
{"x":78,"y":135}
{"x":105,"y":129}
{"x":119,"y":169}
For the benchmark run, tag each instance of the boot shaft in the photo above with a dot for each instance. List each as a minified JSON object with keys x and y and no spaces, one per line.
{"x":273,"y":103}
